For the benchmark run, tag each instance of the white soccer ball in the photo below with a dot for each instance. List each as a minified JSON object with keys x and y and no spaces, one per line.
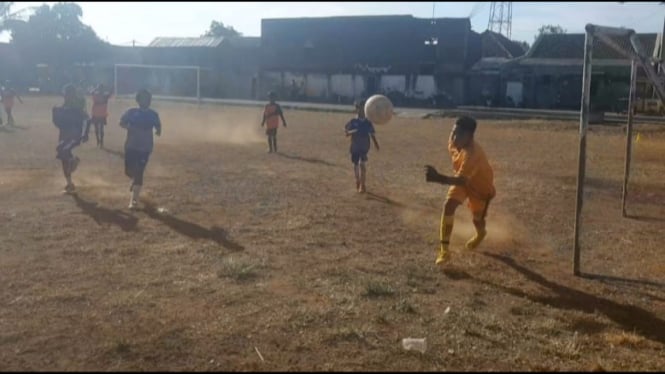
{"x":379,"y":109}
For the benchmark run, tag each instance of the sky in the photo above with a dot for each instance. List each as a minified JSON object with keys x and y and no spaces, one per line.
{"x":122,"y":23}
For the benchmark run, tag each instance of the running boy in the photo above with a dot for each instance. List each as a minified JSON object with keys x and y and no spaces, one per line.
{"x":7,"y":96}
{"x":360,"y":129}
{"x":271,"y":115}
{"x":70,"y":120}
{"x":473,"y":179}
{"x":100,"y":111}
{"x":139,"y":123}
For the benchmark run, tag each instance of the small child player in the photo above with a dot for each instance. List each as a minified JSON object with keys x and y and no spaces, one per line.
{"x":100,"y":112}
{"x":360,"y":129}
{"x":473,"y":180}
{"x":70,"y":119}
{"x":271,"y":116}
{"x":140,"y":123}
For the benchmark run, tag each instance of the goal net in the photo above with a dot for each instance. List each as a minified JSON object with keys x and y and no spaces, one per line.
{"x":637,"y":61}
{"x":163,"y":81}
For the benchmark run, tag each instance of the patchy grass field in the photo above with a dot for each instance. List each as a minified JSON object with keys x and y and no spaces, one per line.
{"x":273,"y":262}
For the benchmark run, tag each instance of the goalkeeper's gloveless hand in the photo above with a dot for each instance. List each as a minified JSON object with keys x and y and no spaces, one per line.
{"x":431,"y":175}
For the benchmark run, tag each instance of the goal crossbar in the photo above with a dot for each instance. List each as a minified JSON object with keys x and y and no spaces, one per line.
{"x":638,"y":59}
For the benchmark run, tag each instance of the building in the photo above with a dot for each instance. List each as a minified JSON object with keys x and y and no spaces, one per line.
{"x":485,"y":81}
{"x":229,"y":65}
{"x":338,"y":59}
{"x":549,"y":76}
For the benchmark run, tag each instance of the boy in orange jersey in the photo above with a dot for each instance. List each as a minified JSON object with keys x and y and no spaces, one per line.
{"x":100,"y":111}
{"x":473,"y":180}
{"x":271,"y":115}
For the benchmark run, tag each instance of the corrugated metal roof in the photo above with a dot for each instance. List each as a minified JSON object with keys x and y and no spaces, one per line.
{"x":207,"y":42}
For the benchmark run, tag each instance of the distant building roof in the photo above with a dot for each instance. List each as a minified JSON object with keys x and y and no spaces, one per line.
{"x":209,"y":42}
{"x":497,"y":45}
{"x":571,"y":46}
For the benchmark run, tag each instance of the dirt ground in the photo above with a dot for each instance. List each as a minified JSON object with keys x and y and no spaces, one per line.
{"x":264,"y":261}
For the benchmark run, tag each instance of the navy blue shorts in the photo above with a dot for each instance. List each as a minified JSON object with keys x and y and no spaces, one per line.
{"x":358,"y":156}
{"x":65,"y":147}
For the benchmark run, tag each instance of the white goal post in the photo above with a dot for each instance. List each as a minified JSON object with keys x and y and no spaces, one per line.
{"x":635,"y":53}
{"x":164,"y":81}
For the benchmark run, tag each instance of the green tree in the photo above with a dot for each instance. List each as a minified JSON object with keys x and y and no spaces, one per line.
{"x":550,"y":29}
{"x":219,"y":29}
{"x":56,"y":36}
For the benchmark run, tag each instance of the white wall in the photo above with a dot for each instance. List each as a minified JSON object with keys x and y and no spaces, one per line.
{"x":317,"y":85}
{"x":393,"y":83}
{"x":358,"y":86}
{"x":342,"y":84}
{"x":425,"y":86}
{"x":288,"y":77}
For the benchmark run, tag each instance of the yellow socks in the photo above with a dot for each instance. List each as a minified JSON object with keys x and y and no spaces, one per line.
{"x":444,"y":235}
{"x":475,"y":241}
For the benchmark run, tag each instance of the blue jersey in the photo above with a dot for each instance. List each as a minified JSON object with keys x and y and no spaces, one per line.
{"x":140,"y":124}
{"x":362,"y":128}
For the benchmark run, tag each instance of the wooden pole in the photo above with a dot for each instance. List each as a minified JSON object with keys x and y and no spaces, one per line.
{"x":629,"y":134}
{"x":584,"y":124}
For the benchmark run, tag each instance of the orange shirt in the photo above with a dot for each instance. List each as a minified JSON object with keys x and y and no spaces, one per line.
{"x":471,"y":163}
{"x":100,"y":104}
{"x":271,"y":113}
{"x":8,"y":99}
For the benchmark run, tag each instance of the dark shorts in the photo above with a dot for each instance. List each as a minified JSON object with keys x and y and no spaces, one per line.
{"x":65,"y":147}
{"x":134,"y":158}
{"x":358,"y":156}
{"x":271,"y":132}
{"x":98,"y":121}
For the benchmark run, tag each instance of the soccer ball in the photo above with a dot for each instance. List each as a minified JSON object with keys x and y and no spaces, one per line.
{"x":379,"y":109}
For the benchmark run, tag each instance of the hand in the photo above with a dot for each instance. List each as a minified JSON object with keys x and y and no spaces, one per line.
{"x":284,"y":124}
{"x":84,"y":138}
{"x":158,"y":132}
{"x":431,"y":175}
{"x":262,"y":124}
{"x":377,"y":146}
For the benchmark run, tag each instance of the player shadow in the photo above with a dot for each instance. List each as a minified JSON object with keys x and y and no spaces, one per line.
{"x":645,"y":218}
{"x":383,"y":199}
{"x":629,"y":316}
{"x":305,"y":159}
{"x":118,"y":154}
{"x":192,"y":230}
{"x":610,"y":279}
{"x":100,"y":215}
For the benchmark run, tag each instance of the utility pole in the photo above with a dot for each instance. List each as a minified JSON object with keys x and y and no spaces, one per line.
{"x":501,"y":17}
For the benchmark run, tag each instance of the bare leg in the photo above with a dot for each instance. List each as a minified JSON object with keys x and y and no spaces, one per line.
{"x":446,"y":230}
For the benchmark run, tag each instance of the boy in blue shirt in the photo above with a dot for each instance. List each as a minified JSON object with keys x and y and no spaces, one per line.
{"x":139,"y":123}
{"x":360,"y":129}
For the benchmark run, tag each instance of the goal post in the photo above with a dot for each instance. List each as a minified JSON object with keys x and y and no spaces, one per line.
{"x":635,"y":53}
{"x":164,"y":81}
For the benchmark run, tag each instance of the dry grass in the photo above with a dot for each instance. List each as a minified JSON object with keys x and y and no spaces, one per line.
{"x":277,"y":253}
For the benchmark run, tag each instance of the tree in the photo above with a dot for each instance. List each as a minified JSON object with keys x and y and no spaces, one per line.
{"x":550,"y":29}
{"x":219,"y":29}
{"x":56,"y":36}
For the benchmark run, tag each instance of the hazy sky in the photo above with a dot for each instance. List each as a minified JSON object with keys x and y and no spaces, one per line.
{"x":122,"y":22}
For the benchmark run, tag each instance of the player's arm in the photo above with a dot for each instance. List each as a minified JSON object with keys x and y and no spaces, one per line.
{"x":263,"y":122}
{"x":281,"y":115}
{"x":19,"y":99}
{"x":158,"y":126}
{"x":372,"y":134}
{"x":433,"y":176}
{"x":124,"y":120}
{"x":86,"y":130}
{"x":347,"y":131}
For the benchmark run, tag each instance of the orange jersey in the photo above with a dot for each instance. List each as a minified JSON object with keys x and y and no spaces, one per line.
{"x":471,"y":163}
{"x":8,"y":99}
{"x":100,"y":104}
{"x":272,"y":113}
